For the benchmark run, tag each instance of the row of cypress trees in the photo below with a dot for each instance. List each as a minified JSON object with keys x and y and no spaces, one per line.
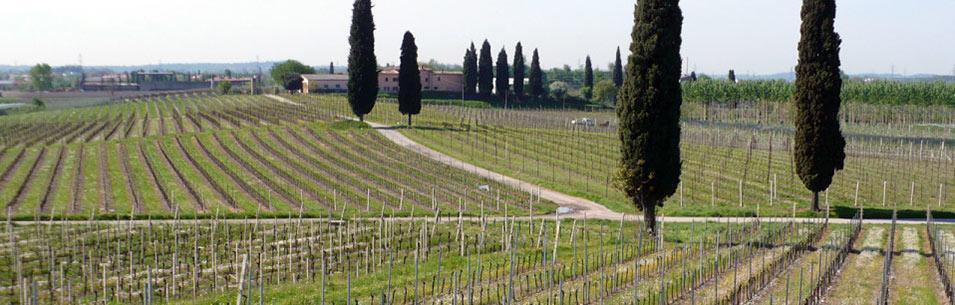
{"x":616,"y":74}
{"x":480,"y":71}
{"x":650,"y":98}
{"x":363,"y":67}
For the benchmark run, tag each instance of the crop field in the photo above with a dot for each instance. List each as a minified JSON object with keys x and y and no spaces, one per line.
{"x":732,"y":166}
{"x":280,"y":158}
{"x":205,"y":199}
{"x":301,"y":261}
{"x":233,"y":156}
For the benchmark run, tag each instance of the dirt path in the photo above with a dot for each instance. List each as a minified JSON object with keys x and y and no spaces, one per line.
{"x":859,"y":281}
{"x":913,"y":272}
{"x":578,"y":207}
{"x":282,"y":100}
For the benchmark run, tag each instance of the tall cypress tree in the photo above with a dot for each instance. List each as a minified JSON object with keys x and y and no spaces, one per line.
{"x":731,"y":76}
{"x":470,"y":71}
{"x":648,"y":108}
{"x":588,"y":73}
{"x":362,"y":63}
{"x":503,"y":75}
{"x":485,"y":71}
{"x":588,"y":90}
{"x":331,"y":68}
{"x":519,"y":71}
{"x":819,"y":144}
{"x":618,"y":70}
{"x":536,"y":77}
{"x":409,"y":79}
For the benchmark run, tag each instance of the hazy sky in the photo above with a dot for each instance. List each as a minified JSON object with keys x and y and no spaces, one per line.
{"x":751,"y":36}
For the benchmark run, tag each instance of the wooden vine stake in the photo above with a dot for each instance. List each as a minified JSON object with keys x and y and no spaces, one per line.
{"x":245,"y":261}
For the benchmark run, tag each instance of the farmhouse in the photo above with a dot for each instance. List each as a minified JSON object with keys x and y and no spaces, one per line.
{"x":431,"y":81}
{"x":324,"y":83}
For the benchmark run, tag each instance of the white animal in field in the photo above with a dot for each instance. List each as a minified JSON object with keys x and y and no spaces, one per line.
{"x":584,"y":122}
{"x":485,"y":187}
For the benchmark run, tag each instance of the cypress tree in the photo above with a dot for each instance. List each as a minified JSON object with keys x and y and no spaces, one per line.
{"x":618,"y":70}
{"x":588,"y":73}
{"x":588,"y":79}
{"x":485,"y":71}
{"x":331,"y":68}
{"x":819,"y":144}
{"x":648,"y":108}
{"x":362,"y":64}
{"x":519,"y":71}
{"x":731,"y":76}
{"x":470,"y":71}
{"x":503,"y":75}
{"x":409,"y":79}
{"x":536,"y":77}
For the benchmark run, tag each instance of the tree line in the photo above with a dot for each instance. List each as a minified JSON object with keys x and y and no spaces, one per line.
{"x":853,"y":90}
{"x":492,"y":81}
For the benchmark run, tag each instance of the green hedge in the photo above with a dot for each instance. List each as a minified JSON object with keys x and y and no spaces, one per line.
{"x":874,"y":92}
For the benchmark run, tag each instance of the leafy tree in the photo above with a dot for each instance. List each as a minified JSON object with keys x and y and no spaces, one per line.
{"x":618,"y":70}
{"x":731,"y":76}
{"x":409,"y":79}
{"x":648,"y":108}
{"x":605,"y":92}
{"x":42,"y":77}
{"x":280,"y":71}
{"x":519,"y":71}
{"x":470,"y":71}
{"x":228,"y":73}
{"x":819,"y":144}
{"x":587,"y":92}
{"x":536,"y":77}
{"x":224,"y":87}
{"x":292,"y":82}
{"x":559,"y":90}
{"x":588,"y":78}
{"x":503,"y":75}
{"x":693,"y":76}
{"x":39,"y":104}
{"x":362,"y":63}
{"x":485,"y":71}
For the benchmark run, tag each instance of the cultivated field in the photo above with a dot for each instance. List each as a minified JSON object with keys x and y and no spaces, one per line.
{"x":286,"y":200}
{"x":736,"y":161}
{"x":296,"y":261}
{"x":234,"y":156}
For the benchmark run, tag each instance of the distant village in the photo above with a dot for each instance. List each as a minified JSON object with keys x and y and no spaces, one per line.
{"x":143,"y":81}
